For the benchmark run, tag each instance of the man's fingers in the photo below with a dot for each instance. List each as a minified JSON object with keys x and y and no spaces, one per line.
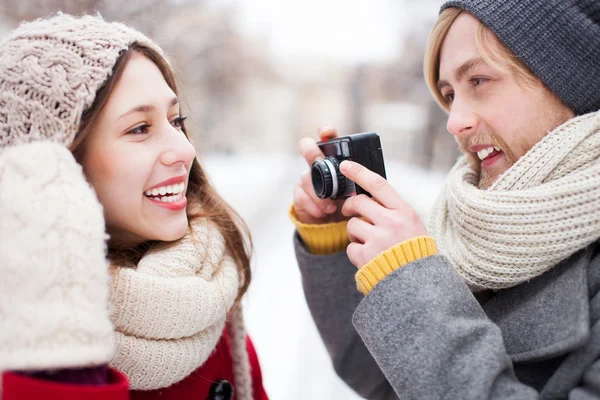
{"x":359,"y":230}
{"x":327,"y":132}
{"x":326,"y":205}
{"x":309,"y":150}
{"x":373,"y":183}
{"x":304,"y":204}
{"x":364,"y":206}
{"x":355,"y":254}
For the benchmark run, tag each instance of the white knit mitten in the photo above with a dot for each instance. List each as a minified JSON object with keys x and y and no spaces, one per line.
{"x":54,"y":284}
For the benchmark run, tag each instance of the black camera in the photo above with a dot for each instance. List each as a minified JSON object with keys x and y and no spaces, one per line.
{"x":363,"y":148}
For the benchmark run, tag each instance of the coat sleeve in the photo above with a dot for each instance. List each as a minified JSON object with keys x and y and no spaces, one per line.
{"x":431,"y":339}
{"x":590,"y":384}
{"x":18,"y":386}
{"x":331,"y":294}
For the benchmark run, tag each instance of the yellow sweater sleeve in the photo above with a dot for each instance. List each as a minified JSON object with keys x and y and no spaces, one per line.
{"x":321,"y":239}
{"x":392,"y":259}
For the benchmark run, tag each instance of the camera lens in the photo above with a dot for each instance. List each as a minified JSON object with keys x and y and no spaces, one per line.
{"x":327,"y":180}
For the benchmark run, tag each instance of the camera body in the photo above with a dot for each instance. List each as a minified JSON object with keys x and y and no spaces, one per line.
{"x":363,"y":148}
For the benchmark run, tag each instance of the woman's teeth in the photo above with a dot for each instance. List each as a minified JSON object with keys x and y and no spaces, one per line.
{"x":484,"y":153}
{"x":170,"y":198}
{"x":167,"y":194}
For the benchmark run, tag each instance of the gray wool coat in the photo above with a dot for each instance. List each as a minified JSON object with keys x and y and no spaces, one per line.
{"x":421,"y":333}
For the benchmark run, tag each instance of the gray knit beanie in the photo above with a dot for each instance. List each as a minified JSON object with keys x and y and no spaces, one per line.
{"x":559,"y":40}
{"x":50,"y":71}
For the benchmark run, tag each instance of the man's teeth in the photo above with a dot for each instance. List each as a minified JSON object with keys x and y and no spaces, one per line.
{"x":172,"y":190}
{"x":483,"y":153}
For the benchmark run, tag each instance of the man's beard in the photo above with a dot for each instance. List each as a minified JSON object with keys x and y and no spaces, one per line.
{"x":489,"y":175}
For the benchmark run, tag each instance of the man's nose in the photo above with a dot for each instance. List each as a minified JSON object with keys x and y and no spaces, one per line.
{"x":462,"y":120}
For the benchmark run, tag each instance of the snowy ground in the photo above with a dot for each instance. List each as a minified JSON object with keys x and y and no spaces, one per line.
{"x":294,"y":360}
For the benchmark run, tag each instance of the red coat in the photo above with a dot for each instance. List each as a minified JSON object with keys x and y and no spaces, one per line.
{"x":218,"y":367}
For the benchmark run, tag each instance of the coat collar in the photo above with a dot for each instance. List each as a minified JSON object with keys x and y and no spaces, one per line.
{"x":547,"y":316}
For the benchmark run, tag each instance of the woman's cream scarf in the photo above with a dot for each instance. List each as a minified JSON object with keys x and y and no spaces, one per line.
{"x":543,"y":209}
{"x":169,"y":312}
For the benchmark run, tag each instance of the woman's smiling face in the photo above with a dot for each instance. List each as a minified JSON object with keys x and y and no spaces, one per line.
{"x":138,"y":159}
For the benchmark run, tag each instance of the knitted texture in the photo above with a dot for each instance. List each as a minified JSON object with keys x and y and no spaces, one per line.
{"x":539,"y":212}
{"x":54,"y":281}
{"x":170,"y":311}
{"x":321,"y":239}
{"x":393,"y":258}
{"x":559,"y":40}
{"x":50,"y":72}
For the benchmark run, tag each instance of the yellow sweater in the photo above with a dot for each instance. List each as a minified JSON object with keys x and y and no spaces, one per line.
{"x":331,"y":238}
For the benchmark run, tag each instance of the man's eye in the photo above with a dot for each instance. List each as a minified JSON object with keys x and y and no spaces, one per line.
{"x":478,"y":81}
{"x":178,"y":122}
{"x":140,"y":130}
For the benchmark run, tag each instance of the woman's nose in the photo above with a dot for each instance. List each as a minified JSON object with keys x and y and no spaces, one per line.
{"x":178,"y":150}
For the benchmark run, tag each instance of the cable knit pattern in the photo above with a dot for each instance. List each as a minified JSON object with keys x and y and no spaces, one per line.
{"x":539,"y":212}
{"x":50,"y":72}
{"x":54,"y":281}
{"x":170,"y":311}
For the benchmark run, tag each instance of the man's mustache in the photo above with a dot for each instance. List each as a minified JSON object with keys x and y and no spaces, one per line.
{"x":478,"y":139}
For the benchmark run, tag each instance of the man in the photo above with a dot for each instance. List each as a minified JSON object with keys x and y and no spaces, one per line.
{"x":509,"y":306}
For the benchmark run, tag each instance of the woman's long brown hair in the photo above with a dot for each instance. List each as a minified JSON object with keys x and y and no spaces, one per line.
{"x":203,"y":198}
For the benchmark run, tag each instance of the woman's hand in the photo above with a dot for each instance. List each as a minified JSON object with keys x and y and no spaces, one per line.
{"x":309,"y":208}
{"x":377,"y":223}
{"x":54,"y":283}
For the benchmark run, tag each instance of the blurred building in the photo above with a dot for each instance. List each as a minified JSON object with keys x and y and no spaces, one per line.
{"x":393,"y":100}
{"x":321,"y":98}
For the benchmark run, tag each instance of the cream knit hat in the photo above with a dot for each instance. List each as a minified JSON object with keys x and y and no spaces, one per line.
{"x":50,"y":71}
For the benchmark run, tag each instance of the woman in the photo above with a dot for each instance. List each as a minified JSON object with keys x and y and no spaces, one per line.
{"x":82,"y":100}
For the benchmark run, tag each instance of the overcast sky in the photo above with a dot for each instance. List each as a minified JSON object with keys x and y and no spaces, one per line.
{"x":346,"y":30}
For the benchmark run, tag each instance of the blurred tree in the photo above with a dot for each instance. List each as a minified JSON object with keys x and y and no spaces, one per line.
{"x":209,"y":56}
{"x":215,"y":63}
{"x":19,"y":10}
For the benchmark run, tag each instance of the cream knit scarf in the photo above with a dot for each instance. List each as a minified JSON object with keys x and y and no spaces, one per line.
{"x":169,"y":312}
{"x":543,"y":209}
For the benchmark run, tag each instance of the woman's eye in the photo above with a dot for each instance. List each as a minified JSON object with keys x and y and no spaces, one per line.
{"x":178,"y":122}
{"x":140,"y":130}
{"x":449,"y":97}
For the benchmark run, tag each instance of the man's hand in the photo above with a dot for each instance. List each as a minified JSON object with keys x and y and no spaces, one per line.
{"x":310,"y":209}
{"x":377,"y":223}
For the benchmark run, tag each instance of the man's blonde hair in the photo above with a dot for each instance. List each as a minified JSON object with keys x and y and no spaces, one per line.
{"x":494,"y":53}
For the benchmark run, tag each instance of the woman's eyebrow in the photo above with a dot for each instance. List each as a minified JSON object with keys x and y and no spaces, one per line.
{"x":148,"y":107}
